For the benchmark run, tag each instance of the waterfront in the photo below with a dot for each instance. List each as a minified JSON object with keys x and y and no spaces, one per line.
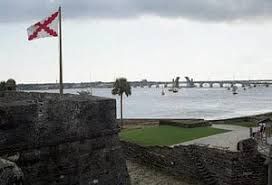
{"x":207,"y":103}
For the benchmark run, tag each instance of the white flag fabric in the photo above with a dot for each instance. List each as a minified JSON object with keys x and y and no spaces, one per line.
{"x":47,"y":27}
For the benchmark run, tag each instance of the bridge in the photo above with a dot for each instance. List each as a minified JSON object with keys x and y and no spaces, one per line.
{"x":190,"y":83}
{"x":229,"y":83}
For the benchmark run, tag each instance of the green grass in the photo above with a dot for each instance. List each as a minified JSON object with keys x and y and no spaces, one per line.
{"x":166,"y":135}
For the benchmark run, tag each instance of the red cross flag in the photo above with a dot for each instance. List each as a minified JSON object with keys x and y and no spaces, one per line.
{"x":47,"y":27}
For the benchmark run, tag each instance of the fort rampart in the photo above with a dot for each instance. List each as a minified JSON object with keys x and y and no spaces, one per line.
{"x":209,"y":165}
{"x":72,"y":140}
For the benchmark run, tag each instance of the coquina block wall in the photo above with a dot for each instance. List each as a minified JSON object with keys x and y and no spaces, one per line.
{"x":209,"y":165}
{"x":71,"y":140}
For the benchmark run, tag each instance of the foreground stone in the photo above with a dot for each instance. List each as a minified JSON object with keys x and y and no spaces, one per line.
{"x":143,"y":175}
{"x":10,"y":173}
{"x":71,"y":140}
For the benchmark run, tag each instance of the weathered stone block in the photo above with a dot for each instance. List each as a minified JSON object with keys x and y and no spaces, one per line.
{"x":224,"y":167}
{"x":72,"y":140}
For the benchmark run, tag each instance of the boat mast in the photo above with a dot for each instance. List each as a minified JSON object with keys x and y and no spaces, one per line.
{"x":91,"y":83}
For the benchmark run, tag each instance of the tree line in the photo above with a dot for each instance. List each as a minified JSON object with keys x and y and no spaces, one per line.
{"x":9,"y":85}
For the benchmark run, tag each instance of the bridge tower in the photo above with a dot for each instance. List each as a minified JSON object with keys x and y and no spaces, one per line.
{"x":190,"y":82}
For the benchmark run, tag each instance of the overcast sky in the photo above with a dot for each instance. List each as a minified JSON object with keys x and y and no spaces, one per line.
{"x":137,"y":39}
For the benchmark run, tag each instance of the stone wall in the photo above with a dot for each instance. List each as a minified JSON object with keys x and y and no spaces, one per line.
{"x":71,"y":140}
{"x":210,"y":165}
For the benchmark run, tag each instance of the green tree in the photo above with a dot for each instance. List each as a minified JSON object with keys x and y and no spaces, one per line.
{"x":3,"y":86}
{"x":120,"y":87}
{"x":11,"y":85}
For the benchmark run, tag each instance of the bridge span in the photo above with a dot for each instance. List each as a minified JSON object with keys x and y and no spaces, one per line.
{"x":229,"y":83}
{"x":190,"y":83}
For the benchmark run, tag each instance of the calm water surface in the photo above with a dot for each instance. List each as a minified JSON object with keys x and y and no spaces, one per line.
{"x":208,"y":103}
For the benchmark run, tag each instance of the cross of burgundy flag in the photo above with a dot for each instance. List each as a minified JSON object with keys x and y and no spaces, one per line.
{"x":47,"y":27}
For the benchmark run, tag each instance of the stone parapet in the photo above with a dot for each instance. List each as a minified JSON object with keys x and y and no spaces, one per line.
{"x":69,"y":140}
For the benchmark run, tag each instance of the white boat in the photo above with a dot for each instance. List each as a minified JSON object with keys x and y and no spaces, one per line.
{"x":87,"y":92}
{"x":84,"y":93}
{"x":175,"y":90}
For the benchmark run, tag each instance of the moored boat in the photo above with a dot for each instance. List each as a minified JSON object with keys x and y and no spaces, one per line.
{"x":234,"y":90}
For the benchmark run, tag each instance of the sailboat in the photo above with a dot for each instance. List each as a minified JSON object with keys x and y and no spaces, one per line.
{"x":234,"y":90}
{"x":91,"y":89}
{"x":174,"y":87}
{"x":162,"y":93}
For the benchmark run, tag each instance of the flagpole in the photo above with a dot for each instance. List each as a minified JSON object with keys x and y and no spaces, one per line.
{"x":60,"y":55}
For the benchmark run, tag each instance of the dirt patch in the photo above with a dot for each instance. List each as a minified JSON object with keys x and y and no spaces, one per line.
{"x":142,"y":175}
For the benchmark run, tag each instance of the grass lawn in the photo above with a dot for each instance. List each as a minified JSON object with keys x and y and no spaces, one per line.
{"x":166,"y":135}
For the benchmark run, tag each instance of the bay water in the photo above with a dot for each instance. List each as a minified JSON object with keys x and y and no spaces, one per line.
{"x":206,"y":103}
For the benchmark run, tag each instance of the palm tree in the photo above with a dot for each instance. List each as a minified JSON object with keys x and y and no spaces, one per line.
{"x":120,"y":87}
{"x":11,"y":85}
